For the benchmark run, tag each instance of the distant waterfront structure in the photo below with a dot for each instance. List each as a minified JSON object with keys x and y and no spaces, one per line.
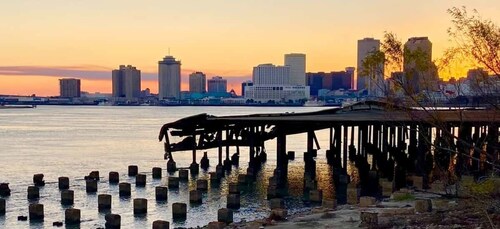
{"x":245,"y":84}
{"x":169,"y":78}
{"x":272,"y":83}
{"x":126,"y":82}
{"x":297,"y":64}
{"x":364,"y":82}
{"x":69,"y":88}
{"x":270,"y":74}
{"x":331,"y":81}
{"x":217,"y":84}
{"x":417,"y":78}
{"x":197,"y":82}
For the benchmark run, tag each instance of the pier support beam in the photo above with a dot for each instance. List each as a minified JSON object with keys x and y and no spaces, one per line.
{"x":194,"y":167}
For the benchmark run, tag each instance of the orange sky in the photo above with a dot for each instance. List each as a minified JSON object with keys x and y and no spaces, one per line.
{"x":42,"y":41}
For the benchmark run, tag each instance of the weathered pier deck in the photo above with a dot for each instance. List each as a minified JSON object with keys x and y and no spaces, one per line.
{"x":398,"y":138}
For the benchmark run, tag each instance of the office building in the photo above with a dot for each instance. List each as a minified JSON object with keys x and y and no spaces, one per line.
{"x":217,"y":84}
{"x":197,"y":82}
{"x":126,"y":82}
{"x":419,"y":71}
{"x":372,"y":82}
{"x":279,"y":93}
{"x":265,"y":74}
{"x":69,"y":88}
{"x":315,"y":81}
{"x":245,"y":84}
{"x":169,"y":78}
{"x":297,"y":64}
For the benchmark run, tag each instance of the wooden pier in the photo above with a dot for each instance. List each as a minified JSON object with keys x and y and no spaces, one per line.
{"x":399,"y":139}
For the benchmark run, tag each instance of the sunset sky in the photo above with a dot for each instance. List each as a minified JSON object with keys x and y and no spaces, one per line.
{"x":42,"y":41}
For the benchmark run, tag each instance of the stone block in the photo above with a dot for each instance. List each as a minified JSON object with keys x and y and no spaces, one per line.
{"x":38,"y":180}
{"x":104,"y":202}
{"x":424,"y":205}
{"x":225,"y":215}
{"x":173,"y":182}
{"x":133,"y":170}
{"x":234,"y":188}
{"x":124,"y":189}
{"x":161,"y":193}
{"x":438,"y":187}
{"x":140,"y":180}
{"x":157,"y":173}
{"x":233,"y":201}
{"x":161,"y":224}
{"x":195,"y":196}
{"x":72,"y":216}
{"x":36,"y":212}
{"x":63,"y":183}
{"x":316,"y":196}
{"x":386,"y":188}
{"x":114,"y":177}
{"x":216,"y":225}
{"x":184,"y":174}
{"x":367,"y":201}
{"x":352,"y":196}
{"x":67,"y":197}
{"x":179,"y":210}
{"x":369,"y":219}
{"x":140,"y":206}
{"x":276,"y":203}
{"x":440,"y":204}
{"x":113,"y":221}
{"x":202,"y":185}
{"x":278,"y":214}
{"x":418,"y":182}
{"x":33,"y":193}
{"x":91,"y":186}
{"x":329,"y":203}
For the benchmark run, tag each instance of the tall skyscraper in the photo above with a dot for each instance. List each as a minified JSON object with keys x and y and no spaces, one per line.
{"x":197,"y":82}
{"x":169,"y":78}
{"x":269,"y":74}
{"x":69,"y":88}
{"x":297,"y":64}
{"x":217,"y":85}
{"x":350,"y":71}
{"x":419,"y":71}
{"x":126,"y":82}
{"x":371,"y":83}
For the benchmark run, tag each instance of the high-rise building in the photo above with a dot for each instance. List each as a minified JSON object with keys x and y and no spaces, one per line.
{"x":217,"y":85}
{"x":315,"y":81}
{"x":197,"y":82}
{"x":126,"y":82}
{"x":350,"y":71}
{"x":265,"y":74}
{"x":297,"y":64}
{"x":169,"y":78}
{"x":245,"y":84}
{"x":371,"y":83}
{"x":69,"y":88}
{"x":419,"y":71}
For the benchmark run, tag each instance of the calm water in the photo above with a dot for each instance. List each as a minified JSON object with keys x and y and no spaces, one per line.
{"x":73,"y":141}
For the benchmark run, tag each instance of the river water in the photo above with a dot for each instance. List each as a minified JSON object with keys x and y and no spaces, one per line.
{"x":75,"y":140}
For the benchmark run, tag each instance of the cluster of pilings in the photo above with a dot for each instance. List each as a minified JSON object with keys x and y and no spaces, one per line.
{"x":140,"y":205}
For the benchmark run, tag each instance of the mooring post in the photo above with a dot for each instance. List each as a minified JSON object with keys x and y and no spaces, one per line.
{"x":345,"y":147}
{"x":310,"y":141}
{"x":219,"y":143}
{"x":194,"y":167}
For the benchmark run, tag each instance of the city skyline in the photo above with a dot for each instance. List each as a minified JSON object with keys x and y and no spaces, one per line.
{"x":40,"y":48}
